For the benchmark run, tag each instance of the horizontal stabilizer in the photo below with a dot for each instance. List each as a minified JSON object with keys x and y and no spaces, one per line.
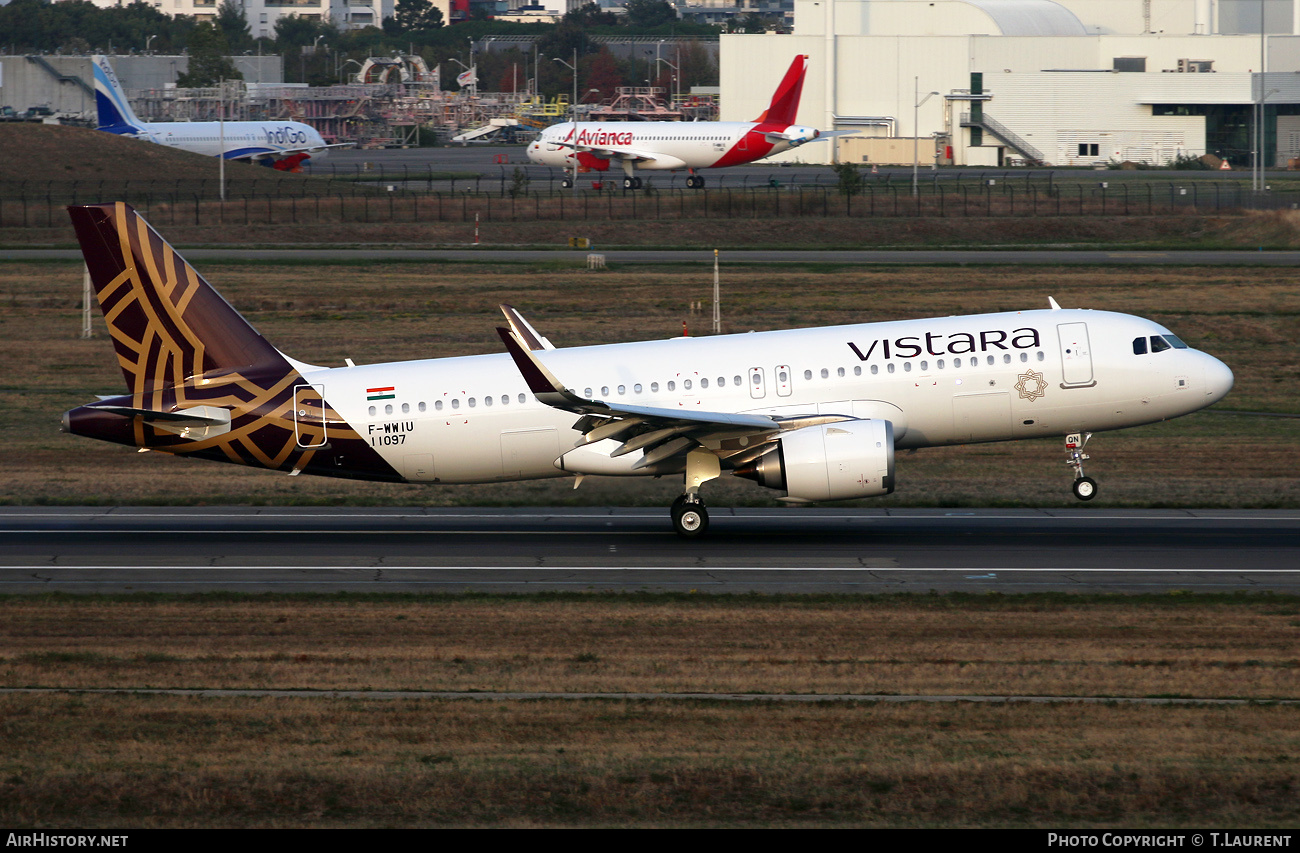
{"x":194,"y":422}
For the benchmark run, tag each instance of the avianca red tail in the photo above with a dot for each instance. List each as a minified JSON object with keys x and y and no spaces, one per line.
{"x":785,"y":102}
{"x":676,"y":145}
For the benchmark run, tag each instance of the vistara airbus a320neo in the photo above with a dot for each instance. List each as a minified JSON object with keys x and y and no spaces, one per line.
{"x":815,"y":414}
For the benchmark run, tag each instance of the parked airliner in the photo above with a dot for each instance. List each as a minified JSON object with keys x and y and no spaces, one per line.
{"x":815,"y":414}
{"x":282,"y":145}
{"x":676,"y":145}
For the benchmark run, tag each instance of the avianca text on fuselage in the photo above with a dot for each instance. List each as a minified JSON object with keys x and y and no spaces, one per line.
{"x":955,"y":343}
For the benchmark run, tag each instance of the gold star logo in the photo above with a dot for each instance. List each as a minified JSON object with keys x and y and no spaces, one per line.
{"x":1031,"y":386}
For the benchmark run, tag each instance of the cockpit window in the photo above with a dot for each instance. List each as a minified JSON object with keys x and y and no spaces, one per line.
{"x":1159,"y":344}
{"x":1140,"y":346}
{"x":1176,"y":342}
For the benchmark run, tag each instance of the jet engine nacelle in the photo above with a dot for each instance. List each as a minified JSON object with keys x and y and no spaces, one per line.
{"x":829,"y":462}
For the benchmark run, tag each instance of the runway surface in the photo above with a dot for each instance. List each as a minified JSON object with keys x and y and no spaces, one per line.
{"x":138,"y":549}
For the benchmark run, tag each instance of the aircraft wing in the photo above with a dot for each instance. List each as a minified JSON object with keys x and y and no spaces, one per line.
{"x":616,"y":152}
{"x":258,"y":153}
{"x":659,"y":433}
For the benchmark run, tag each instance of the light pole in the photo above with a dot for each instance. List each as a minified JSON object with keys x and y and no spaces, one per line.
{"x":146,"y":42}
{"x":573,"y":110}
{"x":916,"y":128}
{"x":677,"y":80}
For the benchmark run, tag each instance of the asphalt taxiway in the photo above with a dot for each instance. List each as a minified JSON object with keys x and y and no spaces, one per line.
{"x":141,"y":549}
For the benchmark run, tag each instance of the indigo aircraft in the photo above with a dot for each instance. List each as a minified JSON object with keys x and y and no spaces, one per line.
{"x":814,"y":414}
{"x":677,"y":145}
{"x":282,"y":145}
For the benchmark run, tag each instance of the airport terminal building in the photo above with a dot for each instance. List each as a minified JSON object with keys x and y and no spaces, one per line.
{"x":1002,"y":82}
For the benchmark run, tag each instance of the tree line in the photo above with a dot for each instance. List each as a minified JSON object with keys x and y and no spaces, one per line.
{"x":317,"y":53}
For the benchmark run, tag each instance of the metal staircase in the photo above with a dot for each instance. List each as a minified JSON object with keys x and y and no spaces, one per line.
{"x":60,"y":76}
{"x":1010,"y":137}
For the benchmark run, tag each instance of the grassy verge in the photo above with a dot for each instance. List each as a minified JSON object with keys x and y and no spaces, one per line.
{"x":121,"y":760}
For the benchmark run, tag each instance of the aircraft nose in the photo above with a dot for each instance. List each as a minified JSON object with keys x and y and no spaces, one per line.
{"x":1218,"y":379}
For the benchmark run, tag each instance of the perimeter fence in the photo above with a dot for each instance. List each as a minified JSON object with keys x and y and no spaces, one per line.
{"x":293,"y":200}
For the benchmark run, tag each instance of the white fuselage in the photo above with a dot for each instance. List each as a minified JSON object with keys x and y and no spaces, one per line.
{"x":662,"y":145}
{"x":236,"y":139}
{"x":951,"y":380}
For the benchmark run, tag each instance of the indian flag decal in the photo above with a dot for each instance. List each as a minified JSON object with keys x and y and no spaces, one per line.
{"x":381,"y":393}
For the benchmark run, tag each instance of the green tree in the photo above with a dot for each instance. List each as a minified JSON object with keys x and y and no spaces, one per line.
{"x":413,"y":16}
{"x":233,"y":24}
{"x":591,"y":15}
{"x":848,"y":178}
{"x":208,"y":58}
{"x":648,"y":14}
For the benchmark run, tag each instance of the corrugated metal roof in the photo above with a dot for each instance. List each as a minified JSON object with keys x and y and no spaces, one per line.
{"x":1030,"y":17}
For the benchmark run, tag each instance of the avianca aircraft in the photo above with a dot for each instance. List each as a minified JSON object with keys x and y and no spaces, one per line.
{"x":675,"y":145}
{"x":282,"y":145}
{"x":815,"y":414}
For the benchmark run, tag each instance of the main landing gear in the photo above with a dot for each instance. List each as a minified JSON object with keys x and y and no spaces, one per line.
{"x":1085,"y":488}
{"x":690,"y":518}
{"x":631,"y":183}
{"x":695,"y":182}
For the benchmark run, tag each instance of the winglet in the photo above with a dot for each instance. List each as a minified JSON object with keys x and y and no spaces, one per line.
{"x":524,"y":330}
{"x":1051,"y":301}
{"x":545,"y":387}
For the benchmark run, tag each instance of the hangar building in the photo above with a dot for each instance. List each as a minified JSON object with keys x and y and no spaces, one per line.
{"x":1064,"y":82}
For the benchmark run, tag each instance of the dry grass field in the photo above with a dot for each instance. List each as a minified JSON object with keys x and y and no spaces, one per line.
{"x":377,"y":312}
{"x":144,"y":761}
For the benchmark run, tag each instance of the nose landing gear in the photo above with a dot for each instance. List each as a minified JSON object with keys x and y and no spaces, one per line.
{"x":1085,"y":488}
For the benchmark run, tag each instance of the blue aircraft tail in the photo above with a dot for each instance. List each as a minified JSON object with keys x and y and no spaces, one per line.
{"x":114,"y":111}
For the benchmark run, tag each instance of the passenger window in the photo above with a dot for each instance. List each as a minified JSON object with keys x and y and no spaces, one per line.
{"x":654,"y":387}
{"x":857,"y":370}
{"x":875,"y":368}
{"x":505,"y":399}
{"x":1041,"y":357}
{"x":704,"y":383}
{"x":1024,"y":356}
{"x":722,"y":381}
{"x":907,"y":367}
{"x":604,"y":390}
{"x":487,"y":401}
{"x":586,"y":392}
{"x":1006,"y":358}
{"x":1139,"y":346}
{"x":636,"y":388}
{"x":686,"y":384}
{"x":372,"y":410}
{"x":807,"y":374}
{"x":956,"y":362}
{"x":839,"y":372}
{"x":925,"y":365}
{"x":521,"y":398}
{"x":406,"y":408}
{"x":471,"y":402}
{"x":939,"y":364}
{"x":437,"y":405}
{"x":388,"y":410}
{"x":737,"y":381}
{"x":825,"y":373}
{"x":891,"y":367}
{"x":991,"y":359}
{"x":455,"y":404}
{"x":783,"y":377}
{"x":422,"y":407}
{"x":622,"y":389}
{"x":672,"y":386}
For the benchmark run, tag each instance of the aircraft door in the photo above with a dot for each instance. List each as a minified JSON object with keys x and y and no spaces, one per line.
{"x":783,"y":380}
{"x":757,"y":385}
{"x":309,"y":415}
{"x":1076,"y":355}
